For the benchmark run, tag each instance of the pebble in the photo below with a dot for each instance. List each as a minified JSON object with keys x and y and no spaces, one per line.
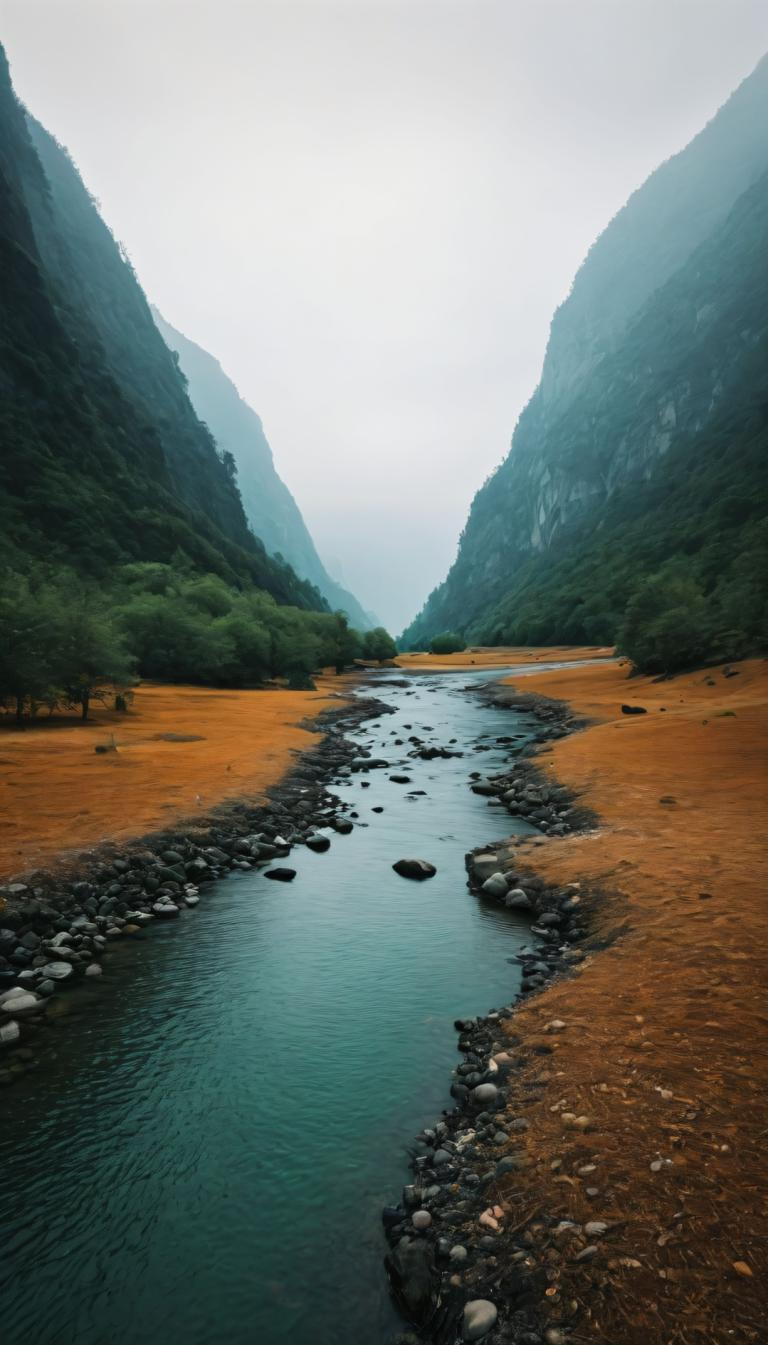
{"x":595,"y":1228}
{"x":485,"y":1092}
{"x":421,"y":1220}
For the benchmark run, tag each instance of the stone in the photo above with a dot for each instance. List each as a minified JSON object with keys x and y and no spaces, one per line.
{"x":458,"y":1254}
{"x":480,"y":1316}
{"x":163,"y":909}
{"x":9,"y":1033}
{"x":633,"y":710}
{"x":318,"y":844}
{"x":421,"y":1220}
{"x":518,"y":900}
{"x":495,"y":886}
{"x":23,"y":1003}
{"x":280,"y":875}
{"x":418,"y":869}
{"x":93,"y":969}
{"x":485,"y":1092}
{"x":56,"y":971}
{"x":595,"y":1228}
{"x":400,"y":779}
{"x":440,"y":1158}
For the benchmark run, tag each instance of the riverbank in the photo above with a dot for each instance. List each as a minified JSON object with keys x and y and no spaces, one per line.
{"x":626,"y":1097}
{"x":501,"y":657}
{"x":180,"y":752}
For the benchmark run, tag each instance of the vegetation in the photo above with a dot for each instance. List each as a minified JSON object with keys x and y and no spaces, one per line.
{"x":447,"y":642}
{"x":65,"y":641}
{"x":378,"y":645}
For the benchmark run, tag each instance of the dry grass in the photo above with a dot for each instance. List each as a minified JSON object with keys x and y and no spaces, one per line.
{"x":500,"y":657}
{"x":666,"y":1043}
{"x":58,"y":797}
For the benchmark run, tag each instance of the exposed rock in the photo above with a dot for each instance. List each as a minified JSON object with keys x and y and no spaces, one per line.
{"x":479,"y":1316}
{"x":419,"y":869}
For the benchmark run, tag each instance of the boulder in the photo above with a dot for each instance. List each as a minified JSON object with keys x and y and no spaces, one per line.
{"x":56,"y":971}
{"x":485,"y":1093}
{"x":318,"y":844}
{"x":281,"y":875}
{"x":418,"y":869}
{"x":495,"y":886}
{"x":479,"y":1316}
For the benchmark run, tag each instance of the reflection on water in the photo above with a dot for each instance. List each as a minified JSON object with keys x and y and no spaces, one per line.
{"x":204,"y":1156}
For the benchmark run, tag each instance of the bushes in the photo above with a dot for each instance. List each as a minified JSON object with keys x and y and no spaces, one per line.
{"x":447,"y":643}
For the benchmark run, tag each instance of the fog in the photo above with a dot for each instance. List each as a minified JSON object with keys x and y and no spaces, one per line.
{"x":368,"y":210}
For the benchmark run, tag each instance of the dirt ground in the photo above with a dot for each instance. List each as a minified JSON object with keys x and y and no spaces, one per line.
{"x":665,"y":1047}
{"x":59,"y":797}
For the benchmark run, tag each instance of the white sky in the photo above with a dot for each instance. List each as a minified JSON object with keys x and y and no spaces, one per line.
{"x":368,"y":210}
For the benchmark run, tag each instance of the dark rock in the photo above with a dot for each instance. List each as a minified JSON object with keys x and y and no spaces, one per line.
{"x":419,"y":869}
{"x":633,"y":710}
{"x":281,"y":875}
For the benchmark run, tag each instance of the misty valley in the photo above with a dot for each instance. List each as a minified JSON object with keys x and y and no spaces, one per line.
{"x":363,"y":980}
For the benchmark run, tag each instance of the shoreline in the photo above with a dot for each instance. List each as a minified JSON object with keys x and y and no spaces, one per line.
{"x":57,"y":932}
{"x":598,"y":1178}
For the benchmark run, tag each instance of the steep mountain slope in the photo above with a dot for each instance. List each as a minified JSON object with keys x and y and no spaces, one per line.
{"x":103,"y":458}
{"x":270,"y":508}
{"x":647,"y":355}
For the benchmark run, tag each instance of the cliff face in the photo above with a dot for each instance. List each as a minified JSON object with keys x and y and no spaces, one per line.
{"x":270,"y":508}
{"x":104,"y":460}
{"x":645,"y":352}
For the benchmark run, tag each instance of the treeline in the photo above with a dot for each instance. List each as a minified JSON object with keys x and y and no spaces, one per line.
{"x":65,"y":641}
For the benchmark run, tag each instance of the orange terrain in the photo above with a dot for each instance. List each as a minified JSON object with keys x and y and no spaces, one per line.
{"x":181,"y":751}
{"x":486,"y":657}
{"x":664,"y":1046}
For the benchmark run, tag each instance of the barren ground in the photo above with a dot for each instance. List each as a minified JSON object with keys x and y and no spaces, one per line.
{"x":58,"y":797}
{"x":665,"y":1047}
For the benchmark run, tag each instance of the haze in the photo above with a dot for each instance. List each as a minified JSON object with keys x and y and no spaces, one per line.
{"x":368,"y":212}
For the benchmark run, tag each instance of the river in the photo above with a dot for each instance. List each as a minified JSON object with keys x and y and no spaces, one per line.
{"x":202,"y":1157}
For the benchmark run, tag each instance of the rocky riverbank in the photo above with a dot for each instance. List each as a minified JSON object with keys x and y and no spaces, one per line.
{"x":56,"y":931}
{"x":457,"y":1269}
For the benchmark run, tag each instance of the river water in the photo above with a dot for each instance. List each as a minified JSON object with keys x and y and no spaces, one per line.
{"x":203,"y":1157}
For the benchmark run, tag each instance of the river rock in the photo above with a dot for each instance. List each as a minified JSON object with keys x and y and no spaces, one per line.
{"x":93,"y":969}
{"x":485,"y":1092}
{"x":163,"y":909}
{"x":479,"y":1316}
{"x":419,"y":869}
{"x":23,"y":1003}
{"x":518,"y":900}
{"x":495,"y":886}
{"x":318,"y":844}
{"x":400,"y":779}
{"x":56,"y":971}
{"x":281,"y":875}
{"x":9,"y":1033}
{"x":421,"y":1220}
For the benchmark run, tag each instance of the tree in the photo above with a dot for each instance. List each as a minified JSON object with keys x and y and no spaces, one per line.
{"x":378,"y":645}
{"x":667,"y":624}
{"x":92,"y":654}
{"x":447,"y":643}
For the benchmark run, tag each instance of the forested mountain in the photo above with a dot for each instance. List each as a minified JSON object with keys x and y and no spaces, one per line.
{"x":269,"y":505}
{"x":643,"y":449}
{"x":103,"y":458}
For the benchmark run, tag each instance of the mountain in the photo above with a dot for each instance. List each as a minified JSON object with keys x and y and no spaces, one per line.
{"x":270,"y":508}
{"x":104,"y":460}
{"x":644,"y":444}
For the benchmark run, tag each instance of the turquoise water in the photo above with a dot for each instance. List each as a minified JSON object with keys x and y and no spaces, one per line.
{"x":204,"y":1156}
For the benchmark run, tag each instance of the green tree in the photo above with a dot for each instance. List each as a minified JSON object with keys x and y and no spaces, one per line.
{"x":447,"y":643}
{"x":378,"y":645}
{"x":667,"y":624}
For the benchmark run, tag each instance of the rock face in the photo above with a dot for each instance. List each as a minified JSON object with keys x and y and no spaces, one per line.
{"x":418,"y":869}
{"x":619,"y":396}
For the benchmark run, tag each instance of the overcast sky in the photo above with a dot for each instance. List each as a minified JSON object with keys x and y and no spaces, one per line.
{"x":368,"y":210}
